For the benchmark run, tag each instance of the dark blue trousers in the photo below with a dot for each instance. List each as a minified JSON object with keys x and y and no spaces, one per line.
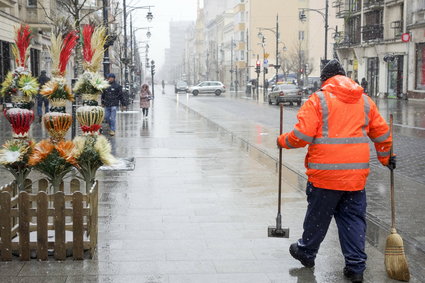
{"x":349,"y":210}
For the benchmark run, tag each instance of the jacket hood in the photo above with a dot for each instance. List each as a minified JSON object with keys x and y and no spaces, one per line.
{"x":344,"y":88}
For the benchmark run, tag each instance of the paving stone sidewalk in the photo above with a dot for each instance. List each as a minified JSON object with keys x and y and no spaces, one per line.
{"x":253,"y":124}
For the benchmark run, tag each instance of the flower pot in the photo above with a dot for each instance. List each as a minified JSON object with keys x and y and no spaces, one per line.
{"x":21,"y":120}
{"x":57,"y":124}
{"x":90,"y":118}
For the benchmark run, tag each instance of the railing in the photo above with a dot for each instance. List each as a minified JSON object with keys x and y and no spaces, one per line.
{"x":373,"y":32}
{"x":348,"y":41}
{"x":28,"y":220}
{"x":370,"y":4}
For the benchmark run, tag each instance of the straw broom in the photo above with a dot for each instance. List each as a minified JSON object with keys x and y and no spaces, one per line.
{"x":395,"y":259}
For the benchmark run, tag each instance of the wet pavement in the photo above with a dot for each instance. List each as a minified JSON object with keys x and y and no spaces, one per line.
{"x":195,"y":209}
{"x":256,"y":127}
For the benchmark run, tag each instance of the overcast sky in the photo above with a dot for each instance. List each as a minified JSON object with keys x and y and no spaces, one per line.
{"x":163,"y":12}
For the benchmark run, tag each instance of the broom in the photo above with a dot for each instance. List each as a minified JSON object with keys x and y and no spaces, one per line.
{"x":395,"y":259}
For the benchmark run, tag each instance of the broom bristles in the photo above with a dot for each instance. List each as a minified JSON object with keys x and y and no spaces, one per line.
{"x":395,"y":259}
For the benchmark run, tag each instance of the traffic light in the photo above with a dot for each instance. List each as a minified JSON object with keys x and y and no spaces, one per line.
{"x":266,"y":70}
{"x":153,"y":67}
{"x":258,"y":67}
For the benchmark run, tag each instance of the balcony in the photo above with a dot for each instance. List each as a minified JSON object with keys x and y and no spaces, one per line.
{"x":343,"y":10}
{"x":373,"y":32}
{"x":347,"y":41}
{"x":373,"y":4}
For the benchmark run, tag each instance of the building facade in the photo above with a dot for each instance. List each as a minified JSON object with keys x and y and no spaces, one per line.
{"x":415,"y":20}
{"x":238,"y":33}
{"x":371,"y":45}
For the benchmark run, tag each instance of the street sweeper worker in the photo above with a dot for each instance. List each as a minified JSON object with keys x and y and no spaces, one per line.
{"x":337,"y":123}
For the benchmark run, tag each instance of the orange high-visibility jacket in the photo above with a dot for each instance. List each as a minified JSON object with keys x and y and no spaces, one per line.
{"x":337,"y":122}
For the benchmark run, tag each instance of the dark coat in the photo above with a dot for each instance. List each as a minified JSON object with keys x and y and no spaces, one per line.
{"x":112,"y":96}
{"x":42,"y":80}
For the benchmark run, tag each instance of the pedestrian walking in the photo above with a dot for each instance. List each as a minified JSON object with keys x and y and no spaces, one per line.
{"x":364,"y":85}
{"x":145,"y":100}
{"x":336,"y":123}
{"x":41,"y":99}
{"x":111,"y":99}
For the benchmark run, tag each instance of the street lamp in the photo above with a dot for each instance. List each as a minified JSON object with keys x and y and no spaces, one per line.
{"x":149,"y":16}
{"x":274,"y":30}
{"x":325,"y":16}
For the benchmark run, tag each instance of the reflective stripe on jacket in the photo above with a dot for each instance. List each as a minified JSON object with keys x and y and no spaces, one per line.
{"x":337,"y":123}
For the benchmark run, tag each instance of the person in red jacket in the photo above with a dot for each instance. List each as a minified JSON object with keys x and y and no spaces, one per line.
{"x":336,"y":123}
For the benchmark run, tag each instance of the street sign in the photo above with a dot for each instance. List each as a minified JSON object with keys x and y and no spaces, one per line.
{"x":266,"y":63}
{"x":405,"y":37}
{"x":266,"y":55}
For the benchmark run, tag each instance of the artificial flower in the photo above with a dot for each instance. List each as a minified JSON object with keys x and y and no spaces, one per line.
{"x":28,"y":85}
{"x":40,"y":152}
{"x":65,"y":150}
{"x":49,"y":88}
{"x":103,"y":147}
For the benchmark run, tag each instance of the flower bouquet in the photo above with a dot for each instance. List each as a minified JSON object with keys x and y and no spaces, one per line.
{"x":92,"y":152}
{"x":91,"y":84}
{"x":19,"y":84}
{"x":57,"y":90}
{"x":53,"y":160}
{"x":14,"y":157}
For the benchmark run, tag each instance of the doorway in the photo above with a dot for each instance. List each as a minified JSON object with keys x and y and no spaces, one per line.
{"x":372,"y":76}
{"x":395,"y":77}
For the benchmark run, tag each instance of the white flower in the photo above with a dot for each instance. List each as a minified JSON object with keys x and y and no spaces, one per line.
{"x":7,"y":156}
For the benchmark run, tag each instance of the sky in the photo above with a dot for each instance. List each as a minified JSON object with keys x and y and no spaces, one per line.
{"x":163,"y":12}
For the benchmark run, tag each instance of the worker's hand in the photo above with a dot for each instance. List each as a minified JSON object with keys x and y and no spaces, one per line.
{"x":277,"y":142}
{"x":392,"y":162}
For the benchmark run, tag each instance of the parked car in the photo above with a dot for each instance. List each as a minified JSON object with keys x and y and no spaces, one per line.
{"x":181,"y":86}
{"x":215,"y":87}
{"x":285,"y":93}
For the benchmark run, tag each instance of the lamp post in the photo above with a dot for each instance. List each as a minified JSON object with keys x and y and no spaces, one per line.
{"x":149,"y":17}
{"x":231,"y":65}
{"x":325,"y":16}
{"x":276,"y":33}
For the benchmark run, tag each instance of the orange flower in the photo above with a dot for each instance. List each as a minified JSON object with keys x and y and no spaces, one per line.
{"x":40,"y":152}
{"x":68,"y":90}
{"x":49,"y":88}
{"x":65,"y":150}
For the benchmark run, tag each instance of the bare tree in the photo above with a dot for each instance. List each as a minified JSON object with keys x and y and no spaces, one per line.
{"x":296,"y":61}
{"x":76,"y":12}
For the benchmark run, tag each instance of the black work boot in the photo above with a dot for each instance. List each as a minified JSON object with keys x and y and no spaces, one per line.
{"x":354,"y":277}
{"x":298,"y":255}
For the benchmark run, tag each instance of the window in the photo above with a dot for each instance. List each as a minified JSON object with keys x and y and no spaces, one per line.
{"x":301,"y":35}
{"x":32,"y":3}
{"x":35,"y":62}
{"x":5,"y":59}
{"x":420,"y":66}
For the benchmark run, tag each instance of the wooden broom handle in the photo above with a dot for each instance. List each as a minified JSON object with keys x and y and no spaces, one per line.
{"x":392,"y":177}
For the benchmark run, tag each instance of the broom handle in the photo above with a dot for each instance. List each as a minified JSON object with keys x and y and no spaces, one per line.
{"x":392,"y":177}
{"x":280,"y":160}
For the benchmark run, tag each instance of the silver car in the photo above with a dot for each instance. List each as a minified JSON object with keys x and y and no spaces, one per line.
{"x":215,"y":87}
{"x":285,"y":93}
